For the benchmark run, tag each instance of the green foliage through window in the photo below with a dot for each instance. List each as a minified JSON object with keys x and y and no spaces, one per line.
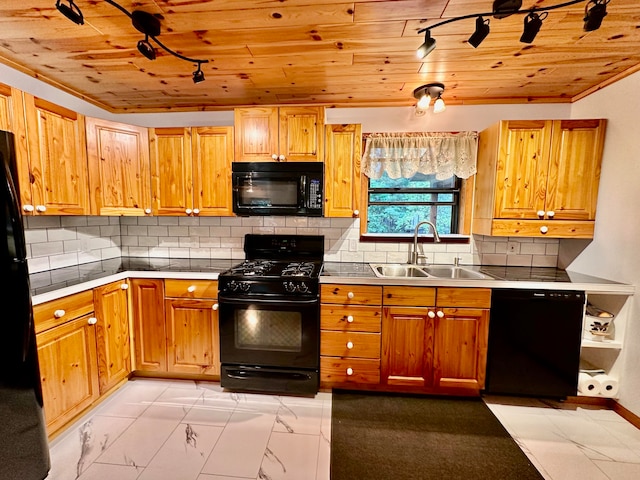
{"x":396,"y":206}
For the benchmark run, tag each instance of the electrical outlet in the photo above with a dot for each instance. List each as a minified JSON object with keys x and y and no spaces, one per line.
{"x":513,"y":247}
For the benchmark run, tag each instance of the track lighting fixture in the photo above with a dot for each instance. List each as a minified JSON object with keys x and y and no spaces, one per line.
{"x":532,"y":24}
{"x":427,"y":47}
{"x":595,"y":11}
{"x":144,"y":22}
{"x":482,"y":30}
{"x":71,"y":11}
{"x":198,"y":75}
{"x":593,"y":15}
{"x":428,"y":92}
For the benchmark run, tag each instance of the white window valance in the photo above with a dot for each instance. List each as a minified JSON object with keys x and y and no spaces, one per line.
{"x":405,"y":154}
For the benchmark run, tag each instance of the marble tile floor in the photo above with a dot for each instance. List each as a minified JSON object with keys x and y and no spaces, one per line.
{"x":183,"y":430}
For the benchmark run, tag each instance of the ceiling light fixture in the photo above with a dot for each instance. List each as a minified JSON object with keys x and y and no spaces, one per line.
{"x":144,"y":22}
{"x":593,"y":15}
{"x":428,"y":92}
{"x":595,"y":11}
{"x":482,"y":30}
{"x":71,"y":11}
{"x":532,"y":24}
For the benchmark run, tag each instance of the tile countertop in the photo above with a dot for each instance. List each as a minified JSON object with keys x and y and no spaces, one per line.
{"x":52,"y":284}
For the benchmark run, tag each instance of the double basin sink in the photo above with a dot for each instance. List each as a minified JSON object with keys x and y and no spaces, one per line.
{"x":399,"y":270}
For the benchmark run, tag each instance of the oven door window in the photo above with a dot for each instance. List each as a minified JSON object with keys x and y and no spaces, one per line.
{"x":268,"y":330}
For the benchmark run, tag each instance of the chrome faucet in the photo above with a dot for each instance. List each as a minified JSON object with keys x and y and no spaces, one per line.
{"x":436,"y":238}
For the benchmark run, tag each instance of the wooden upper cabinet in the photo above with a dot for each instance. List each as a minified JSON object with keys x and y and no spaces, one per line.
{"x":119,"y":177}
{"x":8,"y":97}
{"x":53,"y":178}
{"x":191,"y":170}
{"x":285,"y":134}
{"x":343,"y":145}
{"x":538,"y":178}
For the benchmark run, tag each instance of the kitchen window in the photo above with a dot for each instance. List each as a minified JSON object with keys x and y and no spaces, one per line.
{"x":409,"y":178}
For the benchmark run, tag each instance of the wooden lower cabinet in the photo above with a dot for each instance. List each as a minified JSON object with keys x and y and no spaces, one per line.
{"x":149,"y":331}
{"x":68,"y":370}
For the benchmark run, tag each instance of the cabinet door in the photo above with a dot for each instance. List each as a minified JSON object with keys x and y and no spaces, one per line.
{"x":301,"y":134}
{"x":256,"y":134}
{"x":460,"y":353}
{"x":574,"y":170}
{"x":407,"y":347}
{"x":112,"y":334}
{"x":57,"y":159}
{"x":193,"y":338}
{"x":150,"y":338}
{"x":8,"y":97}
{"x":212,"y":152}
{"x":68,"y":370}
{"x":171,"y":171}
{"x":342,"y":170}
{"x":522,"y":168}
{"x":119,"y":177}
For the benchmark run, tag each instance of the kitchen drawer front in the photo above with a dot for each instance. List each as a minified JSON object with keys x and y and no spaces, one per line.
{"x":363,"y":345}
{"x":350,"y":294}
{"x":409,"y":296}
{"x":349,"y":370}
{"x":532,"y":228}
{"x":352,"y":318}
{"x":190,"y":288}
{"x":464,"y":297}
{"x":56,"y":312}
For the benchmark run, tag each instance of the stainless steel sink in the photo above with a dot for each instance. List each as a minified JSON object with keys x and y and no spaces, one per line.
{"x":398,"y":270}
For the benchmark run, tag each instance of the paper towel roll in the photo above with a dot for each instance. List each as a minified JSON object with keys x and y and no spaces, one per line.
{"x":587,"y":384}
{"x":608,"y":386}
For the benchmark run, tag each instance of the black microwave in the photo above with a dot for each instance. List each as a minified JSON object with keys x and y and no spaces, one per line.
{"x":274,"y":188}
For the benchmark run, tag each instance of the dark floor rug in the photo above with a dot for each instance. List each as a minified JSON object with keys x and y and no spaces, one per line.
{"x":390,"y":436}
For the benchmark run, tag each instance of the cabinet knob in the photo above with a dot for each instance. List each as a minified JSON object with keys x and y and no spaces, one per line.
{"x":431,"y":314}
{"x":540,"y":213}
{"x":188,"y":211}
{"x":92,"y":320}
{"x":191,"y":288}
{"x":349,"y":345}
{"x":275,"y":157}
{"x":544,"y":229}
{"x":551,"y":214}
{"x":196,"y":211}
{"x":124,"y":286}
{"x":215,"y":306}
{"x":350,"y":295}
{"x":440,"y":313}
{"x":28,"y":208}
{"x":356,"y":213}
{"x":59,"y":313}
{"x":349,"y":371}
{"x":41,"y":208}
{"x":350,"y":318}
{"x":281,"y":158}
{"x":147,"y":211}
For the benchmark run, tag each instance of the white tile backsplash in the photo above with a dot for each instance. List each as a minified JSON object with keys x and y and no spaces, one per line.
{"x":54,"y":242}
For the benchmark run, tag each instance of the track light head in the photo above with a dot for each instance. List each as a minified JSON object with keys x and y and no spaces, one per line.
{"x":71,"y":11}
{"x":504,"y":8}
{"x":482,"y":30}
{"x":593,"y":15}
{"x":198,"y":75}
{"x":146,"y":49}
{"x":532,"y":24}
{"x":145,"y":23}
{"x":427,"y":47}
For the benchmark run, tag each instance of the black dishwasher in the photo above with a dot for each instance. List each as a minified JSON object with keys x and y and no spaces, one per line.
{"x":534,"y":342}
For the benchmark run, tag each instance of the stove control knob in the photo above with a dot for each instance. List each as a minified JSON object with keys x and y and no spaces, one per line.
{"x":302,"y":287}
{"x":289,"y":286}
{"x":232,"y":285}
{"x":245,"y":286}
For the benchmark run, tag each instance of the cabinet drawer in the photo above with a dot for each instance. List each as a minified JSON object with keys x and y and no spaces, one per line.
{"x":352,"y":318}
{"x":554,"y":228}
{"x":349,"y":370}
{"x":350,"y":344}
{"x":464,"y":297}
{"x":351,"y":294}
{"x":409,"y":296}
{"x":191,"y":288}
{"x":61,"y":310}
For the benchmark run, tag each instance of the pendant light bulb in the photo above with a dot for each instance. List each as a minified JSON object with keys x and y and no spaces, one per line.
{"x":438,"y":105}
{"x":424,"y":101}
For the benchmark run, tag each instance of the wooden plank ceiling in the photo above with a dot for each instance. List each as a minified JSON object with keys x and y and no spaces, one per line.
{"x":334,"y":53}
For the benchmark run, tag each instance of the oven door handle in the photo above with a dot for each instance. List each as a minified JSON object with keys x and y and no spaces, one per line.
{"x":266,"y":301}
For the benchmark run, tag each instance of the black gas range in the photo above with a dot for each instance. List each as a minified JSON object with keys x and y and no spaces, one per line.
{"x":269,"y":315}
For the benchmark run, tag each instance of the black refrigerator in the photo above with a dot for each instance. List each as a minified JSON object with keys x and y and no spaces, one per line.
{"x":24,"y":452}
